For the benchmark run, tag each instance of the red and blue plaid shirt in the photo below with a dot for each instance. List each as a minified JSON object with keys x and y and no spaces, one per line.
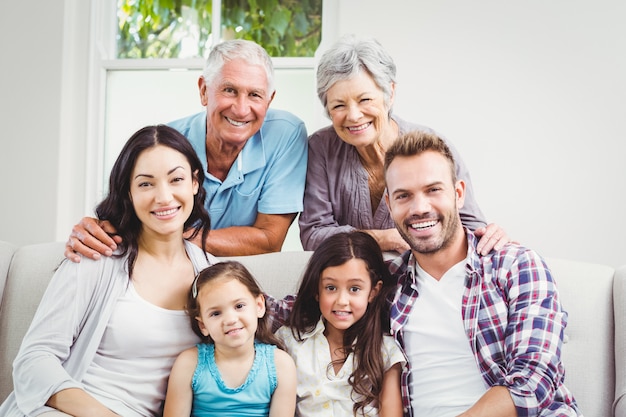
{"x":514,"y":323}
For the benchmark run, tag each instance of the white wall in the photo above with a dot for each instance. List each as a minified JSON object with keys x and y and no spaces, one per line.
{"x":530,"y":92}
{"x":30,"y":95}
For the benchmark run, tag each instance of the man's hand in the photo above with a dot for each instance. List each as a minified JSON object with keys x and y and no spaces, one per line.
{"x":491,"y":237}
{"x":91,"y":238}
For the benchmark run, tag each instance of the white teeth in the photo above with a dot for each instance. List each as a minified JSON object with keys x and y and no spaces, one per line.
{"x":423,"y":225}
{"x":357,"y":128}
{"x":342,"y":313}
{"x":166,"y":212}
{"x":235,"y":122}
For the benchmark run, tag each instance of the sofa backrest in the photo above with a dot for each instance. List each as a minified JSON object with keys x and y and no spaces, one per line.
{"x":6,"y":254}
{"x":32,"y":266}
{"x":619,"y":303}
{"x":593,"y":295}
{"x":586,"y":292}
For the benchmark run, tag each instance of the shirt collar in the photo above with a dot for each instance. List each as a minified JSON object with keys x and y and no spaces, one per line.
{"x":318,"y":330}
{"x":404,"y":265}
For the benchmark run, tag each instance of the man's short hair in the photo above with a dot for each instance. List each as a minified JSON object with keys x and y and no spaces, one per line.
{"x":417,"y":142}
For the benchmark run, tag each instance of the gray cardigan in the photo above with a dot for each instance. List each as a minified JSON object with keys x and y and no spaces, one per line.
{"x":337,"y":196}
{"x":68,"y":327}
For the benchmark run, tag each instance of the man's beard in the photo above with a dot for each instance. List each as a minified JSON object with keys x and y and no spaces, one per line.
{"x":449,"y":227}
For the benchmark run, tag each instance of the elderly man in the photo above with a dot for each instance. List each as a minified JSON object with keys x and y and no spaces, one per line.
{"x":482,"y":334}
{"x":255,"y":159}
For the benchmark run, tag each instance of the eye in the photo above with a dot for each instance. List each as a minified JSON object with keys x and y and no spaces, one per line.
{"x":239,"y":306}
{"x":401,"y":196}
{"x":178,"y":179}
{"x":337,"y":107}
{"x":214,"y":314}
{"x":365,"y":100}
{"x":143,"y":184}
{"x":330,"y":288}
{"x":355,"y":289}
{"x":434,"y":189}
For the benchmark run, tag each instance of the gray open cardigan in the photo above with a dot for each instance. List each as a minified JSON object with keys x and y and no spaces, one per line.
{"x":67,"y":329}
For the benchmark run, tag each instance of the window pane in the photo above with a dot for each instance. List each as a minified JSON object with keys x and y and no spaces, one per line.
{"x":283,"y":27}
{"x":182,"y":28}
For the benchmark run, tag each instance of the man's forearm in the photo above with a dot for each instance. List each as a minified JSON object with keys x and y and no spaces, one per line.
{"x":238,"y":241}
{"x":496,"y":402}
{"x":267,"y":234}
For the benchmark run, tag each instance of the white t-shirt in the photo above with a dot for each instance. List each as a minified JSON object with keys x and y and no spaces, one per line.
{"x":445,"y":378}
{"x":134,"y":385}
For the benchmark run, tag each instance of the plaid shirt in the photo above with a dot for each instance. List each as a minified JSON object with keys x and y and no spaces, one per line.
{"x":513,"y":320}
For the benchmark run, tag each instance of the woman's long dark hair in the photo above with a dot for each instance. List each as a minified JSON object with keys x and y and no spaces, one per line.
{"x":118,"y":208}
{"x":365,"y":337}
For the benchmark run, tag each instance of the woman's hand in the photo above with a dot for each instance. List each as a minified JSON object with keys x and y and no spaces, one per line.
{"x":491,"y":237}
{"x":389,"y":240}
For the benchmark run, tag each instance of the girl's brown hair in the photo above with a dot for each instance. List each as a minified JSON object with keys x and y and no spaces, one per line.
{"x":236,"y":271}
{"x":365,"y":337}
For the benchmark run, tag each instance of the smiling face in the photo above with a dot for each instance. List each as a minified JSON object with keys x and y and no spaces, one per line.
{"x":229,"y":313}
{"x":358,"y":110}
{"x":162,"y":190}
{"x":424,"y":201}
{"x":236,"y":102}
{"x":344,"y":294}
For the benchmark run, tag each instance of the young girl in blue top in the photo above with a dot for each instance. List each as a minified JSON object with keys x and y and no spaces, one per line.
{"x":346,"y":364}
{"x":237,"y":371}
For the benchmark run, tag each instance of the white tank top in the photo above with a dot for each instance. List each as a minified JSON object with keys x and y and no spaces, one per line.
{"x":130,"y":370}
{"x":445,"y":379}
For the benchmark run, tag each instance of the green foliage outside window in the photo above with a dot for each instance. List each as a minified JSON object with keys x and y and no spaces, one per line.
{"x":182,"y":28}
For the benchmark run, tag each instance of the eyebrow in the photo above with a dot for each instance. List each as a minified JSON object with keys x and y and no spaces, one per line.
{"x":152,"y":176}
{"x":408,"y":190}
{"x":229,"y":84}
{"x":349,"y":280}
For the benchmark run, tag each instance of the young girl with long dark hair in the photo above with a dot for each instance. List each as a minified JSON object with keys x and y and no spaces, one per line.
{"x":338,"y":328}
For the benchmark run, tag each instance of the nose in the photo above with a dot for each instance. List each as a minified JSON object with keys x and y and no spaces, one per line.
{"x":420,"y":205}
{"x":342,"y":298}
{"x":163,"y":194}
{"x":229,"y":318}
{"x":354,"y":113}
{"x":240,"y":105}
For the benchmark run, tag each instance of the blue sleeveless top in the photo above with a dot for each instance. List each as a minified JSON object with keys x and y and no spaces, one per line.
{"x":211,"y":396}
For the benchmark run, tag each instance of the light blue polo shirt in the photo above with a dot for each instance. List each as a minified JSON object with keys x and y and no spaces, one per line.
{"x":268,"y":176}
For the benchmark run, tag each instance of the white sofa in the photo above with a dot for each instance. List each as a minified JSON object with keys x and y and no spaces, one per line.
{"x":594,"y":351}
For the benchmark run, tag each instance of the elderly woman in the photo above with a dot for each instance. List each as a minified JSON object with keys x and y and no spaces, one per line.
{"x":345,"y":185}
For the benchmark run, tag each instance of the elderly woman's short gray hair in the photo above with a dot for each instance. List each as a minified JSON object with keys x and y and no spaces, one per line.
{"x":350,"y":55}
{"x":251,"y":52}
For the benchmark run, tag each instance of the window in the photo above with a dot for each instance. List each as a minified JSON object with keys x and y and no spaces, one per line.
{"x":128,"y":92}
{"x":185,"y":29}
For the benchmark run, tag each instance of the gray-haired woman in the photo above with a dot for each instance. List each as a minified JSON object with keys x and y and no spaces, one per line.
{"x":345,"y":186}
